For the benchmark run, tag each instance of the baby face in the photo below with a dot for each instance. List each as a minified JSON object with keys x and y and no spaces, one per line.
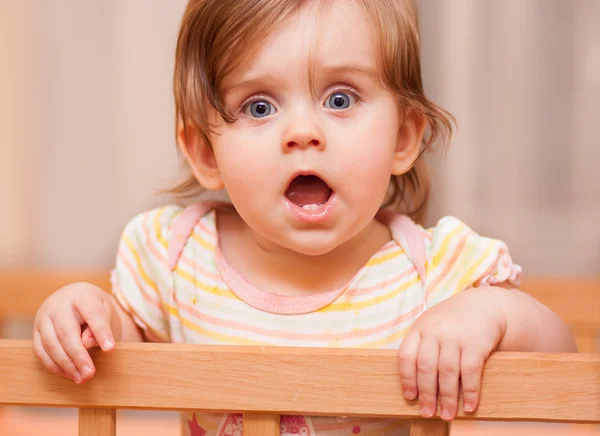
{"x":306,"y":167}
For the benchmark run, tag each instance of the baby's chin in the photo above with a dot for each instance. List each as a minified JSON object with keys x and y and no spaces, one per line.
{"x":313,"y":243}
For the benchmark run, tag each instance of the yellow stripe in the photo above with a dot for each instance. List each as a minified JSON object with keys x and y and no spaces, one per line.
{"x":138,"y":262}
{"x":387,"y":340}
{"x":331,"y":308}
{"x":372,"y":302}
{"x":213,"y":335}
{"x":128,"y":308}
{"x":201,"y":285}
{"x":385,"y":257}
{"x":468,"y":276}
{"x":202,"y":242}
{"x":157,"y":229}
{"x":437,"y":258}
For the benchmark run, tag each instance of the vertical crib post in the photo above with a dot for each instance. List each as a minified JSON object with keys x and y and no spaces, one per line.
{"x":97,"y":422}
{"x":261,"y":425}
{"x":429,"y":427}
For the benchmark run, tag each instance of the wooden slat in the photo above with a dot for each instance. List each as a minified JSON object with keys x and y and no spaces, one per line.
{"x":516,"y":386}
{"x":261,"y":425}
{"x":22,"y":292}
{"x":428,"y":427}
{"x":97,"y":422}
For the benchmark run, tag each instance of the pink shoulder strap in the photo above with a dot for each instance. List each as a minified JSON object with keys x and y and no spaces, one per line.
{"x":182,"y":228}
{"x":409,"y":236}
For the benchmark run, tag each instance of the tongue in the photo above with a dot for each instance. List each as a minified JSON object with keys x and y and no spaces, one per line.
{"x":308,"y":190}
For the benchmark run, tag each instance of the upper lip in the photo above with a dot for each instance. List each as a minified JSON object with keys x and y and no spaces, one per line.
{"x":306,"y":173}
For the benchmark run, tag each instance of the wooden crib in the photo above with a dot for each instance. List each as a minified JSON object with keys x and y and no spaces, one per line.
{"x":264,"y":382}
{"x":516,"y":386}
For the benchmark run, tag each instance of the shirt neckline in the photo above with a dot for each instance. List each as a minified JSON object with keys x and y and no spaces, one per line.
{"x":277,"y":303}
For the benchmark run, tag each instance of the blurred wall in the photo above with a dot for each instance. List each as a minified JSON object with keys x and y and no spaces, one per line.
{"x":87,"y":136}
{"x":523,"y":79}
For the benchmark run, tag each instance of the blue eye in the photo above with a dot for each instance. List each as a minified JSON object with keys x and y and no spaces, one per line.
{"x":340,"y":100}
{"x":259,"y":109}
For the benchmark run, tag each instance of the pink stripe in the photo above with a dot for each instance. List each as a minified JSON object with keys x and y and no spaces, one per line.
{"x":133,"y":272}
{"x":487,"y":272}
{"x":203,"y":317}
{"x":197,"y":267}
{"x":433,"y":286}
{"x":362,"y":291}
{"x":209,"y":232}
{"x":148,"y":332}
{"x":150,"y":242}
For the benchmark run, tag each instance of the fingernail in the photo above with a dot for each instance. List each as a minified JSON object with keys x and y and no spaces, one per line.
{"x":426,"y":412}
{"x":446,"y":415}
{"x":108,"y":344}
{"x":468,"y":408}
{"x":86,"y":371}
{"x":77,"y":378}
{"x":410,"y":395}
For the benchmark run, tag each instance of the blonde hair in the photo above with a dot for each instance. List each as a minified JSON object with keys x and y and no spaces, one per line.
{"x":217,"y":35}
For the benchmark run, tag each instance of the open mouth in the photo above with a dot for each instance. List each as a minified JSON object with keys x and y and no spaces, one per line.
{"x":308,"y":192}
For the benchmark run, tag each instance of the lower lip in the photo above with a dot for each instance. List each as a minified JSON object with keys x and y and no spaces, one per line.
{"x":312,"y":216}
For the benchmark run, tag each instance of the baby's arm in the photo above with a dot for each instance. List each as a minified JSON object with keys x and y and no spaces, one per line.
{"x":74,"y":319}
{"x":530,"y":326}
{"x":451,"y":341}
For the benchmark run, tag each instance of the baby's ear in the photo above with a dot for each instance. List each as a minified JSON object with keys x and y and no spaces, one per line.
{"x":196,"y":148}
{"x":408,"y":143}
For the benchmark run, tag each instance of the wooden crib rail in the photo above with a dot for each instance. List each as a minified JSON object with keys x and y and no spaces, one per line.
{"x":265,"y":383}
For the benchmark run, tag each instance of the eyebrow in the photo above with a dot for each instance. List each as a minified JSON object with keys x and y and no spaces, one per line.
{"x":252,"y":79}
{"x":349,"y":69}
{"x":266,"y":77}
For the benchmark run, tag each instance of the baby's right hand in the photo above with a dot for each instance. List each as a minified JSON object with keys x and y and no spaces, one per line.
{"x":70,"y":321}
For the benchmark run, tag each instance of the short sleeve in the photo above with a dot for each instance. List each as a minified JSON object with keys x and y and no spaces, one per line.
{"x":459,"y":259}
{"x":141,"y":279}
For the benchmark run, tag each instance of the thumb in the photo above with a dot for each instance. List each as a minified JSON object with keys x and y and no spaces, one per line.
{"x":88,"y":340}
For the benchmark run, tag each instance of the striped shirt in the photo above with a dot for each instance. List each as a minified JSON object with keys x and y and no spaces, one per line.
{"x":201,"y":299}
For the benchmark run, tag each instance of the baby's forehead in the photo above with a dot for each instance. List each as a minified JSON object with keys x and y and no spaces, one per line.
{"x":339,"y":36}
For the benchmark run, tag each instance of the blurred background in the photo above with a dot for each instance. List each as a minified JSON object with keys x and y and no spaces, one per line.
{"x":87,"y":125}
{"x":87,"y":115}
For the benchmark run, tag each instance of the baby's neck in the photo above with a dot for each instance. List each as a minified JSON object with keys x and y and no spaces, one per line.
{"x":281,"y":271}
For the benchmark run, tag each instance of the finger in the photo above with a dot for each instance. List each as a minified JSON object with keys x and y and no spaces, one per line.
{"x":46,"y":360}
{"x":93,"y":313}
{"x":449,"y":372}
{"x":427,"y":375}
{"x":407,"y":364}
{"x":471,"y":367}
{"x":54,"y":349}
{"x":68,"y":331}
{"x":88,"y":340}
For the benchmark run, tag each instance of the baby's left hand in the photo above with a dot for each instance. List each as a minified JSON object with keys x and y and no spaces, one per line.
{"x":450,"y":341}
